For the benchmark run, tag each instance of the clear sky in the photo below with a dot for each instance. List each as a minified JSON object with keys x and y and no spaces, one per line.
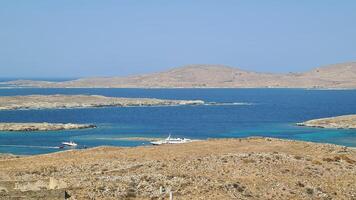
{"x":76,"y":38}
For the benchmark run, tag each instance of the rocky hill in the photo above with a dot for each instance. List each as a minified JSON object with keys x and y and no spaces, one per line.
{"x":196,"y":76}
{"x":253,"y":168}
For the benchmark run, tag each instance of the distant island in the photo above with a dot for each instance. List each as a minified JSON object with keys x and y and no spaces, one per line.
{"x":339,"y":122}
{"x":214,"y":76}
{"x":42,"y":126}
{"x":83,"y":101}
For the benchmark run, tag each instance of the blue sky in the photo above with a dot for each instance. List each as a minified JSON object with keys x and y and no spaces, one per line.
{"x":66,"y":38}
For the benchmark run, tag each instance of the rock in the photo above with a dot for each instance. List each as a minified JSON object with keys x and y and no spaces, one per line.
{"x":56,"y":184}
{"x":31,"y":186}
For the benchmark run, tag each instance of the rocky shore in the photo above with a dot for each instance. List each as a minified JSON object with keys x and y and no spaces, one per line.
{"x":252,"y":168}
{"x":5,"y":156}
{"x":83,"y":101}
{"x":42,"y":126}
{"x":340,"y":122}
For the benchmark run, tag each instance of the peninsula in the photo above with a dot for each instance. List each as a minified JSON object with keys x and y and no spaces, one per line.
{"x":337,"y":76}
{"x":251,"y":168}
{"x":42,"y":126}
{"x":340,"y":122}
{"x":83,"y":101}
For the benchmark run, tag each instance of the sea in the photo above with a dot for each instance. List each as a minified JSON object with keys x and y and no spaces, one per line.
{"x":229,"y":113}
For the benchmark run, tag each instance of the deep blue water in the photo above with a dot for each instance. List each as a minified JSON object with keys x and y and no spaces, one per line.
{"x":270,"y":112}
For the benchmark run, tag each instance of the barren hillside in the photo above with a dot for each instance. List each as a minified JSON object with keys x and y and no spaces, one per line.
{"x":192,"y":76}
{"x":254,"y":168}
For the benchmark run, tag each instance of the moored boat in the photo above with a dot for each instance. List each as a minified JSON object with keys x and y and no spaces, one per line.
{"x":170,"y":140}
{"x":70,"y":143}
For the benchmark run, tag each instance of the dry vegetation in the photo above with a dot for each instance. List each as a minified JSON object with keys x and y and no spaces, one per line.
{"x":253,"y":168}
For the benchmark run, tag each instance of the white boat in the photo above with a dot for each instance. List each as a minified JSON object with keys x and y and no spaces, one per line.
{"x":71,"y":144}
{"x":170,"y":140}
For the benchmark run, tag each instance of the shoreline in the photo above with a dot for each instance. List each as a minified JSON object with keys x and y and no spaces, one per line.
{"x":146,"y":139}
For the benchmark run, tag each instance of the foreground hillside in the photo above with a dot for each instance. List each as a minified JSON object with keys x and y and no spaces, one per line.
{"x":332,"y":76}
{"x":253,"y":168}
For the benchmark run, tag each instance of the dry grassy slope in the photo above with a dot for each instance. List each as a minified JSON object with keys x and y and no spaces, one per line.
{"x":255,"y":168}
{"x":333,"y":76}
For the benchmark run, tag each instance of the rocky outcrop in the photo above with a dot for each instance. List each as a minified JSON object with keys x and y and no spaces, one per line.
{"x":83,"y":101}
{"x":42,"y":126}
{"x":252,"y":168}
{"x":4,"y":156}
{"x":340,"y":122}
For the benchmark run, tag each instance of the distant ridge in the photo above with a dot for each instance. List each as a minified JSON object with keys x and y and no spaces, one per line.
{"x":341,"y":75}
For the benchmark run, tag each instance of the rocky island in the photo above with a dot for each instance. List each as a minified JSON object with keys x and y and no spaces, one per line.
{"x":339,"y":76}
{"x":42,"y":126}
{"x":83,"y":101}
{"x":251,"y":168}
{"x":340,"y":122}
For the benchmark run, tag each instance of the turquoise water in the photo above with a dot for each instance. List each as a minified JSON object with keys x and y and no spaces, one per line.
{"x":266,"y":112}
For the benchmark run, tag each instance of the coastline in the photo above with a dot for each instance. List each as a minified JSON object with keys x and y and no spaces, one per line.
{"x":6,"y":156}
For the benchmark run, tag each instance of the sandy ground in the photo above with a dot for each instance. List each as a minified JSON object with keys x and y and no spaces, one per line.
{"x":252,"y":168}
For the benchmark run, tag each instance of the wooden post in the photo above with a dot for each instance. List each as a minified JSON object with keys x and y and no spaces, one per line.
{"x":171,"y":195}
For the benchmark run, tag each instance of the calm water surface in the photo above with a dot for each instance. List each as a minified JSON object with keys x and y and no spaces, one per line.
{"x":268,"y":112}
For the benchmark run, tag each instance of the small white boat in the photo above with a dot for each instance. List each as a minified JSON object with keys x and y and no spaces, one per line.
{"x":170,"y":140}
{"x":71,"y":144}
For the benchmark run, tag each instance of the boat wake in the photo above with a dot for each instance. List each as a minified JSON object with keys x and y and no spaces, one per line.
{"x":229,"y":104}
